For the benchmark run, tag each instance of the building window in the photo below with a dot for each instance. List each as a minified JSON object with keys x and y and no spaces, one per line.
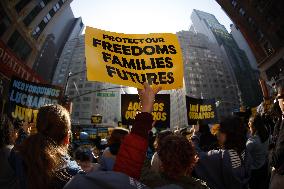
{"x":85,"y":106}
{"x":76,"y":114}
{"x":35,"y":11}
{"x":21,"y":4}
{"x":88,"y":85}
{"x":18,"y":44}
{"x":36,"y":33}
{"x":242,"y":12}
{"x":234,"y":3}
{"x":87,"y":99}
{"x":56,"y":7}
{"x":4,"y":22}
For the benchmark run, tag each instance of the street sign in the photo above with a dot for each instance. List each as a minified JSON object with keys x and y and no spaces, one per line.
{"x":96,"y":119}
{"x":119,"y":124}
{"x":105,"y":94}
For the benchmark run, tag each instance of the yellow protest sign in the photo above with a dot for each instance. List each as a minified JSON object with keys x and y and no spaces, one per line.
{"x":132,"y":59}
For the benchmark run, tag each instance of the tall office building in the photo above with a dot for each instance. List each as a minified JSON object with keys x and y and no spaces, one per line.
{"x":206,"y":73}
{"x":104,"y":102}
{"x":236,"y":58}
{"x":178,"y":108}
{"x":262,"y":25}
{"x":36,"y":31}
{"x":242,"y":43}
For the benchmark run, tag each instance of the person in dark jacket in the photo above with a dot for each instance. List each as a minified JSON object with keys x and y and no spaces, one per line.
{"x":131,"y":156}
{"x":177,"y":157}
{"x":276,"y":156}
{"x":228,"y":167}
{"x":41,"y":161}
{"x":8,"y":136}
{"x":257,"y":146}
{"x":108,"y":157}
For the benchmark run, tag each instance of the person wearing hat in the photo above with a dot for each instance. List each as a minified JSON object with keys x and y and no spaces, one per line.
{"x":276,"y":157}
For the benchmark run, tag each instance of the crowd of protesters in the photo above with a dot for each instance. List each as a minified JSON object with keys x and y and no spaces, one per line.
{"x":241,"y":153}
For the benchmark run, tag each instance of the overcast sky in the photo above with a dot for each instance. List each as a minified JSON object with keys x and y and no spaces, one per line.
{"x":144,"y":16}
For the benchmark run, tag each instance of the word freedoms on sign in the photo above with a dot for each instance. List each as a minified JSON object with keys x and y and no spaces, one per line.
{"x":130,"y":106}
{"x":132,"y":59}
{"x":25,"y":98}
{"x":202,"y":111}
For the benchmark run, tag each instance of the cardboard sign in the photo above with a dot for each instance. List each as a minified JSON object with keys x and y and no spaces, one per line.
{"x":202,"y":111}
{"x":25,"y":98}
{"x":132,"y":59}
{"x":96,"y":119}
{"x":130,"y":106}
{"x":119,"y":124}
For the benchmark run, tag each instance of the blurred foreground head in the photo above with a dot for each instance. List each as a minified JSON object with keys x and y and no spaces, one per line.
{"x":53,"y":121}
{"x":43,"y":153}
{"x":177,"y":155}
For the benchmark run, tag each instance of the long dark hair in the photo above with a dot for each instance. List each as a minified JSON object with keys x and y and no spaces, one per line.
{"x":258,"y":127}
{"x":42,"y":152}
{"x":7,"y":130}
{"x":235,"y":132}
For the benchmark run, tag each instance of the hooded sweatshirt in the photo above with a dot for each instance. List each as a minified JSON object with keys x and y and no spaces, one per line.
{"x":224,"y":168}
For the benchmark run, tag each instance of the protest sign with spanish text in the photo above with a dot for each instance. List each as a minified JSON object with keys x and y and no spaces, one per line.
{"x":130,"y":106}
{"x":202,"y":111}
{"x":25,"y":98}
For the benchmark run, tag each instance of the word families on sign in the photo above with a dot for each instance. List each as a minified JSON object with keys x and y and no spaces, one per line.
{"x":132,"y":59}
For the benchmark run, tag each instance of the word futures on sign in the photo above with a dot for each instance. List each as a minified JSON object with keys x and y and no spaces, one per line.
{"x":202,"y":111}
{"x":130,"y":106}
{"x":96,"y":119}
{"x":132,"y":59}
{"x":25,"y":98}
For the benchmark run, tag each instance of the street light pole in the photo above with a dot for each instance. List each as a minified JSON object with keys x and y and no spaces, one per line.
{"x":70,"y":74}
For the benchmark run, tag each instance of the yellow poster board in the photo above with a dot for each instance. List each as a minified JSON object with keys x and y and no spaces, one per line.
{"x":132,"y":59}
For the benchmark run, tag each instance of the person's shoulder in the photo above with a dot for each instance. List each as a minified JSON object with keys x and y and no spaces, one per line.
{"x":104,"y":179}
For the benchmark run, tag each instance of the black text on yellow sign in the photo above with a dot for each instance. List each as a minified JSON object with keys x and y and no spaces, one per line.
{"x":96,"y":119}
{"x":130,"y":106}
{"x":25,"y":114}
{"x":158,"y":111}
{"x":202,"y":111}
{"x":132,"y":59}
